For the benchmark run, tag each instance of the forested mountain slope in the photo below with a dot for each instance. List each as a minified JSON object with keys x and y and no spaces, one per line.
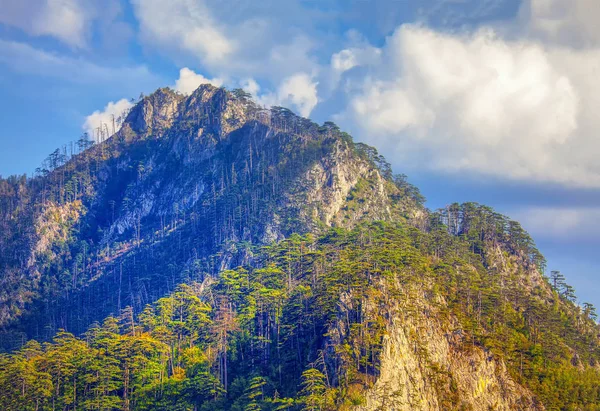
{"x":216,"y":255}
{"x":183,"y":189}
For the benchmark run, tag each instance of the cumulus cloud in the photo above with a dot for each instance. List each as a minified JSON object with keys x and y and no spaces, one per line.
{"x":349,"y":58}
{"x":301,"y":91}
{"x":185,"y":24}
{"x":518,"y":109}
{"x":244,"y":42}
{"x":233,"y":38}
{"x":102,"y":124}
{"x":343,"y":61}
{"x":250,"y":85}
{"x":189,"y":81}
{"x":298,"y":91}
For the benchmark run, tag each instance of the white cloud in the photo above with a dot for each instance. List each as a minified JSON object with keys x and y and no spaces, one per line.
{"x":103,"y":124}
{"x":477,"y":102}
{"x":349,"y":58}
{"x":186,"y":25}
{"x":298,"y":91}
{"x":189,"y":81}
{"x":236,"y":39}
{"x":343,"y":61}
{"x":250,"y":85}
{"x":301,"y":91}
{"x":65,"y":20}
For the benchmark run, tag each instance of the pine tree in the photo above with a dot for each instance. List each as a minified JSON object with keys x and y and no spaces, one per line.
{"x":312,"y":393}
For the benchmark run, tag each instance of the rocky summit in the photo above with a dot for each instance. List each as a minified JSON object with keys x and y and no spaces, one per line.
{"x":216,"y":255}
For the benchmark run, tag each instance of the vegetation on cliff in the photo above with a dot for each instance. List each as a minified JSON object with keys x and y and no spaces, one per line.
{"x":305,"y":327}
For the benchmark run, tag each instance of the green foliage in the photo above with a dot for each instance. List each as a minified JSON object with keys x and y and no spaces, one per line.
{"x":305,"y":330}
{"x":312,"y":394}
{"x":109,"y":233}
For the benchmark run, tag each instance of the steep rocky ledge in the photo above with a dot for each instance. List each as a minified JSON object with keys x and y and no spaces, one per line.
{"x":427,"y":364}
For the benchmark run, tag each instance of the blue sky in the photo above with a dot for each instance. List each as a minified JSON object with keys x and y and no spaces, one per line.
{"x":491,"y":101}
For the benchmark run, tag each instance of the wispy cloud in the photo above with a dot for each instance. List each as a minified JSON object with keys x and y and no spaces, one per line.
{"x":23,"y":58}
{"x":66,"y":20}
{"x":186,"y":25}
{"x":72,"y":22}
{"x":231,"y":38}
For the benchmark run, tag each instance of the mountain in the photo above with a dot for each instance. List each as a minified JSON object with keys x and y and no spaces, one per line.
{"x":213,"y":254}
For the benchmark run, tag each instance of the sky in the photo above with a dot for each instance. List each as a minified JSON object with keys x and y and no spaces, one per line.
{"x":492,"y":101}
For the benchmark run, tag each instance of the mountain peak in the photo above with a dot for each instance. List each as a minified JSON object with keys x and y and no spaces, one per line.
{"x":153,"y":114}
{"x":213,"y":169}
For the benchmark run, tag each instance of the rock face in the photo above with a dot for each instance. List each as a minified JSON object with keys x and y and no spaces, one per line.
{"x":154,"y":114}
{"x":327,"y":191}
{"x":429,"y":365}
{"x":428,"y":361}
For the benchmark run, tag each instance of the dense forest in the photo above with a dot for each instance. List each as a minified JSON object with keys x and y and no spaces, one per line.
{"x":213,"y":255}
{"x":261,"y":338}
